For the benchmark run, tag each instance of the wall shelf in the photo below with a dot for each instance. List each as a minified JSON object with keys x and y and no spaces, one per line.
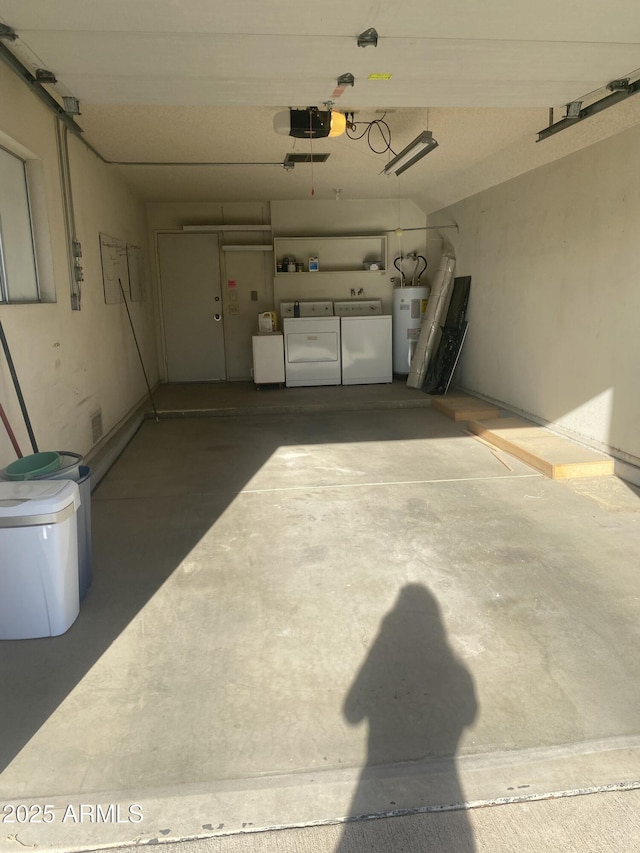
{"x":250,"y":247}
{"x":340,"y":275}
{"x":226,"y":228}
{"x":334,"y":254}
{"x":321,"y":273}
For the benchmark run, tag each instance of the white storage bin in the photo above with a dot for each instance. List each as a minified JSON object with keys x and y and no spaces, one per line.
{"x":268,"y":358}
{"x":39,"y":594}
{"x":71,"y":468}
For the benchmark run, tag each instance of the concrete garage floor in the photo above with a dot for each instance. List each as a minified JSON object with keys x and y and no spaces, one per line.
{"x":302,"y":616}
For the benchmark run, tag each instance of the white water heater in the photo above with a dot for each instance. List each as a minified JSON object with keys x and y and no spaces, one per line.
{"x":409,"y":306}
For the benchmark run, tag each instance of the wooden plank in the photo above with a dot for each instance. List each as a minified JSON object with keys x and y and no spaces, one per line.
{"x":464,"y":408}
{"x":554,"y":456}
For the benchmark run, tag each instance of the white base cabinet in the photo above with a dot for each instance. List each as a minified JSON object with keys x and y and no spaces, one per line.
{"x":268,"y":359}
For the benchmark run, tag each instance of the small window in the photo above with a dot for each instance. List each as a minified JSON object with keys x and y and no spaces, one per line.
{"x":18,"y":271}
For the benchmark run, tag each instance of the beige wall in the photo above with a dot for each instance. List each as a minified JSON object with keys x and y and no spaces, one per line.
{"x":554,"y":257}
{"x":72,"y":363}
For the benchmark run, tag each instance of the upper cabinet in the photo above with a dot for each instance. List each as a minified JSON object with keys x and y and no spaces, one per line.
{"x":366,"y":255}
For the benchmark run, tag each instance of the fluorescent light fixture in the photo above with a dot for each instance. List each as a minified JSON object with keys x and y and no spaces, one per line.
{"x":417,"y":149}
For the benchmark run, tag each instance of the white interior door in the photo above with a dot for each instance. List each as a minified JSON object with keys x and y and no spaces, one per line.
{"x":192,"y":307}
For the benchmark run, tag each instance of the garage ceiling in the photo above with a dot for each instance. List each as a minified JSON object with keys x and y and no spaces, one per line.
{"x":200,"y":81}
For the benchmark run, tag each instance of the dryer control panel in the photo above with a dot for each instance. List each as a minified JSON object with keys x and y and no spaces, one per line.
{"x":358,"y":307}
{"x":316,"y":308}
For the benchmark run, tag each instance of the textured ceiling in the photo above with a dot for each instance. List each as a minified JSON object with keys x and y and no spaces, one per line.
{"x":195,"y":80}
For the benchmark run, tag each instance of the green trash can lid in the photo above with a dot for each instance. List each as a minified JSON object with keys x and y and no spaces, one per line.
{"x":35,"y":465}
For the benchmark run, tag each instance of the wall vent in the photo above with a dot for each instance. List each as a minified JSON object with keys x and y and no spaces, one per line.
{"x":292,"y":159}
{"x":96,"y":426}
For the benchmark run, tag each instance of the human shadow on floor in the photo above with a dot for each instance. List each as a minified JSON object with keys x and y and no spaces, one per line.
{"x":417,"y":698}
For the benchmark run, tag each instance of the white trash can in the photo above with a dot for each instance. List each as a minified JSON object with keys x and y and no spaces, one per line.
{"x":71,"y":468}
{"x":39,"y":594}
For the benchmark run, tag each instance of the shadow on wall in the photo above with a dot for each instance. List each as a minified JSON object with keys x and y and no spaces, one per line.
{"x":417,"y":698}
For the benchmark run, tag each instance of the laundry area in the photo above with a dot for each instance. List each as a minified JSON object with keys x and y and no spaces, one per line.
{"x":319,"y":459}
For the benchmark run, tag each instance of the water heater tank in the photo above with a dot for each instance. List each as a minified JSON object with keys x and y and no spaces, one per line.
{"x":409,"y":306}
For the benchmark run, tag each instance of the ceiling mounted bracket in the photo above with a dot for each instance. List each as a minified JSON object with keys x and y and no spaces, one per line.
{"x":7,"y":33}
{"x":368,"y":38}
{"x":622,"y":85}
{"x":573,"y":109}
{"x":346,"y":80}
{"x":45,"y":76}
{"x":71,"y":105}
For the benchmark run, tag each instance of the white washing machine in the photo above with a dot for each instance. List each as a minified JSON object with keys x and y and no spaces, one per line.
{"x":311,"y":345}
{"x":366,"y":342}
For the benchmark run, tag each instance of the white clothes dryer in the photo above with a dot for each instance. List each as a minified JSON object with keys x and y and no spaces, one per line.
{"x":312,"y":351}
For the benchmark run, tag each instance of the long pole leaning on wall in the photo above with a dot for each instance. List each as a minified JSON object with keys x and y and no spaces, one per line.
{"x":16,"y":385}
{"x":135,"y":338}
{"x":10,"y":433}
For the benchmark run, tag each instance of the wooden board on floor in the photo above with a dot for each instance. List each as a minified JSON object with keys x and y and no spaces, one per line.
{"x":553,"y":455}
{"x":464,"y":408}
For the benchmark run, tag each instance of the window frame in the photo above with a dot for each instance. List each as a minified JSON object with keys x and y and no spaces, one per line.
{"x":5,"y":284}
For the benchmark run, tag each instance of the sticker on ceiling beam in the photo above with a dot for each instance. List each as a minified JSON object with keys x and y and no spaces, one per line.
{"x":379,"y":76}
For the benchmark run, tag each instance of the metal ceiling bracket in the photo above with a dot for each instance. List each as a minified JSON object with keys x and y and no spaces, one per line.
{"x":618,"y":94}
{"x":622,"y":85}
{"x":369,"y":38}
{"x":44,"y":76}
{"x":346,"y":80}
{"x":7,"y":33}
{"x":573,"y":109}
{"x":71,"y":105}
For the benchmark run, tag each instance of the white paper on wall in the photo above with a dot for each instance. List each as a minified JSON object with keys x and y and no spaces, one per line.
{"x":113,"y":257}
